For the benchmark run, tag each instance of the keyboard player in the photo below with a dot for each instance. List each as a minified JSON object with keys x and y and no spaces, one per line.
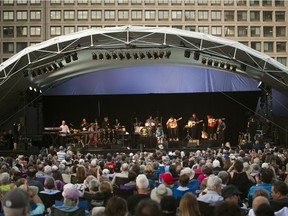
{"x":63,"y":134}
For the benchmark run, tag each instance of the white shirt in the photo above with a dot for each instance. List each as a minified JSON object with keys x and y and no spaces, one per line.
{"x":64,"y":130}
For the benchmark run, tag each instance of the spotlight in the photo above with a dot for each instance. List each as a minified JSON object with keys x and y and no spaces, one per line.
{"x":35,"y":90}
{"x":121,"y":56}
{"x":40,"y":91}
{"x":222,"y":64}
{"x":30,"y":88}
{"x":155,"y":54}
{"x":60,"y":64}
{"x":75,"y":56}
{"x":196,"y":55}
{"x":216,"y":63}
{"x":149,"y":55}
{"x":161,"y":54}
{"x":114,"y":55}
{"x":168,"y":53}
{"x":187,"y":53}
{"x":128,"y":56}
{"x":68,"y":59}
{"x":210,"y":61}
{"x":101,"y":56}
{"x":204,"y":60}
{"x":94,"y":56}
{"x":142,"y":55}
{"x":136,"y":56}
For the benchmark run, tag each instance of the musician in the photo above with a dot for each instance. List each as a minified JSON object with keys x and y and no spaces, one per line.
{"x":83,"y":128}
{"x":221,"y":127}
{"x":159,"y":133}
{"x":150,"y":123}
{"x":172,"y":127}
{"x":63,"y":133}
{"x":193,"y":124}
{"x":92,"y":134}
{"x":211,"y":124}
{"x":251,"y":128}
{"x":106,"y":127}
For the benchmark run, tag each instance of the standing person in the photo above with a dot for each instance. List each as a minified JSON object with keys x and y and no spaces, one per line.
{"x":211,"y":124}
{"x":172,"y":127}
{"x":106,"y":128}
{"x":63,"y":133}
{"x":221,"y":127}
{"x":83,"y":128}
{"x":251,"y":129}
{"x":193,"y":122}
{"x":150,"y":124}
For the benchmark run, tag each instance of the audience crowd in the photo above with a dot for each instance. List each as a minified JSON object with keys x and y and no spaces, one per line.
{"x":223,"y":181}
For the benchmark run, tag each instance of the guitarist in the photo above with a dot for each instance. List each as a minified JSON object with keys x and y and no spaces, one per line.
{"x":193,"y":122}
{"x":172,"y":127}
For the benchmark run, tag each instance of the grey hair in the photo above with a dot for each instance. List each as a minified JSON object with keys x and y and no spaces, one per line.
{"x":213,"y":182}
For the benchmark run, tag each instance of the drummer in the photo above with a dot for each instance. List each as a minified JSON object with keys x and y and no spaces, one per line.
{"x":150,"y":123}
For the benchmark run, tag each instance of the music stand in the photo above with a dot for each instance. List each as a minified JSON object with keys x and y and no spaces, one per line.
{"x":188,"y":137}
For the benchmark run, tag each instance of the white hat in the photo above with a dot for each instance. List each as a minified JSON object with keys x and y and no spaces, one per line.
{"x":265,"y":166}
{"x":216,"y":163}
{"x":158,"y":193}
{"x":94,"y":162}
{"x":54,"y":167}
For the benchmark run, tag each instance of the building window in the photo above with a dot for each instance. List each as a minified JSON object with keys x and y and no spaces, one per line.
{"x":55,"y":15}
{"x":149,"y":1}
{"x":69,"y":15}
{"x":280,"y":16}
{"x":136,"y":15}
{"x":203,"y":29}
{"x":202,"y":15}
{"x":242,"y":31}
{"x":8,"y":15}
{"x":68,"y":1}
{"x":255,"y":31}
{"x":279,"y":2}
{"x":256,"y":46}
{"x":123,"y":15}
{"x":268,"y":31}
{"x":244,"y":43}
{"x":8,"y":31}
{"x":189,"y":2}
{"x":242,"y":15}
{"x":8,"y":47}
{"x":109,"y":1}
{"x":69,"y":29}
{"x":176,"y":15}
{"x":267,"y":2}
{"x":282,"y":60}
{"x":190,"y":28}
{"x":267,"y":16}
{"x":55,"y":2}
{"x":35,"y":31}
{"x":55,"y":30}
{"x":109,"y":15}
{"x":35,"y":2}
{"x":96,"y":1}
{"x":21,"y":31}
{"x":241,"y":2}
{"x":8,"y":2}
{"x":82,"y":15}
{"x":216,"y":30}
{"x":82,"y":1}
{"x":280,"y":31}
{"x":215,"y":2}
{"x":216,"y":15}
{"x":229,"y":31}
{"x":229,"y":15}
{"x":190,"y":15}
{"x":254,"y":15}
{"x":136,"y":1}
{"x":96,"y":15}
{"x":22,"y":15}
{"x":254,"y":2}
{"x":35,"y":15}
{"x":280,"y":46}
{"x":173,"y":2}
{"x":20,"y":46}
{"x":149,"y":15}
{"x":82,"y":28}
{"x":202,"y":2}
{"x":268,"y":46}
{"x":228,"y":2}
{"x":123,"y":1}
{"x":22,"y":2}
{"x":177,"y":26}
{"x":163,"y":14}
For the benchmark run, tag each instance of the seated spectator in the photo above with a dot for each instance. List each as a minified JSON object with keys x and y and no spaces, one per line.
{"x":116,"y":206}
{"x":147,"y":207}
{"x":264,"y":210}
{"x":16,"y":202}
{"x":98,"y":211}
{"x":179,"y":191}
{"x":257,"y":202}
{"x":227,"y":208}
{"x":167,"y":179}
{"x":188,"y":205}
{"x":193,"y":184}
{"x":264,"y":181}
{"x":168,"y":206}
{"x":32,"y":180}
{"x":50,"y":194}
{"x":279,"y":195}
{"x":206,"y":172}
{"x":71,"y":199}
{"x":231,"y":194}
{"x":212,"y":196}
{"x":159,"y":192}
{"x":216,"y":167}
{"x":122,"y":177}
{"x":224,"y":176}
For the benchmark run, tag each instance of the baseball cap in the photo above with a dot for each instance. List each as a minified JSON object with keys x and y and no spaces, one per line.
{"x":167,"y":177}
{"x":230,"y":190}
{"x":16,"y":198}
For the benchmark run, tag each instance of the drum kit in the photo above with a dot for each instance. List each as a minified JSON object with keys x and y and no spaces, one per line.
{"x":145,"y":131}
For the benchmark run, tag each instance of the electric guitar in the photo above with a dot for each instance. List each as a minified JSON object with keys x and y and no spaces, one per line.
{"x":173,"y":123}
{"x":204,"y":133}
{"x":193,"y":123}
